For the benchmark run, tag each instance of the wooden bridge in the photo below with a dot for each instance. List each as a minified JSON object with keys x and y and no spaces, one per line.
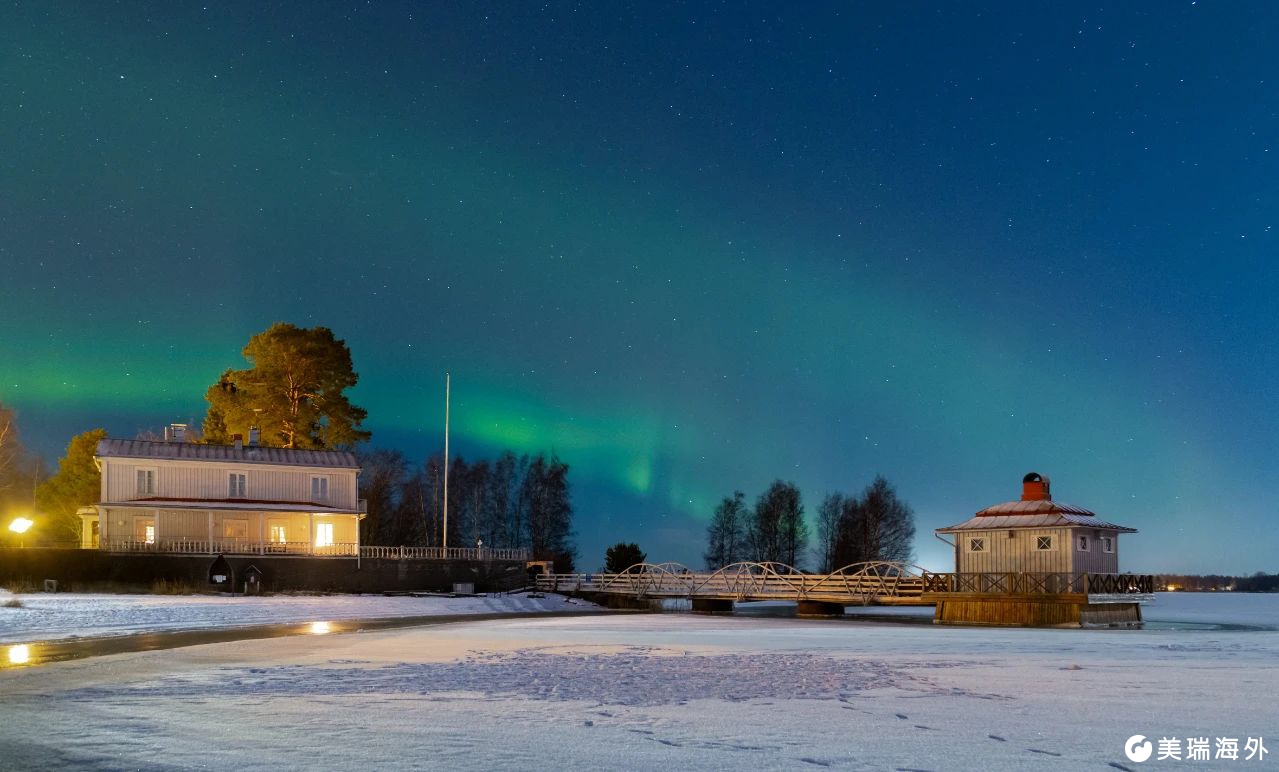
{"x":873,"y":583}
{"x":878,"y":582}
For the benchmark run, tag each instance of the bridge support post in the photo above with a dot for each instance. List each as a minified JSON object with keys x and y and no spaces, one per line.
{"x":712,"y":606}
{"x":817,"y":608}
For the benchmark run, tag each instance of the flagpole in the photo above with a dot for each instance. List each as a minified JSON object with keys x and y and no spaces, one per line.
{"x":446,"y":465}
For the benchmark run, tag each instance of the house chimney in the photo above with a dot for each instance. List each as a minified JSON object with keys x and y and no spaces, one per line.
{"x":176,"y":433}
{"x":255,"y":436}
{"x":237,"y":440}
{"x":1035,"y":487}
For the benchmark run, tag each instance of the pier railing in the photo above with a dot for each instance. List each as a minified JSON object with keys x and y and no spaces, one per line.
{"x":1041,"y":583}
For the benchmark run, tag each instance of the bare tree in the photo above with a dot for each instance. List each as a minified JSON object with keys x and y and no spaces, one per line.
{"x":725,"y":537}
{"x":778,"y":532}
{"x":875,"y":526}
{"x":828,"y":516}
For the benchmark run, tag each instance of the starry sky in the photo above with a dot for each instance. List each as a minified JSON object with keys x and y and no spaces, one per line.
{"x":690,"y":247}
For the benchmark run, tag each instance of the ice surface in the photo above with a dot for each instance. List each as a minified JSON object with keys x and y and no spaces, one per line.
{"x":672,"y":691}
{"x":72,"y":615}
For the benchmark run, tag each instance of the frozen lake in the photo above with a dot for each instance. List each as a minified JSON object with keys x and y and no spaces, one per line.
{"x":664,"y":692}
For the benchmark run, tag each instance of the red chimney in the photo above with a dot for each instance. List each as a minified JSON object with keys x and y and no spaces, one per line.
{"x":1035,"y":487}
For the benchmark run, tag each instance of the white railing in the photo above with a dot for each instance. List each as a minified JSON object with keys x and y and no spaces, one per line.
{"x":342,"y":549}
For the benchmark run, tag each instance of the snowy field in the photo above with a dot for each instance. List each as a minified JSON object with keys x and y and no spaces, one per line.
{"x":670,"y":692}
{"x":76,"y":615}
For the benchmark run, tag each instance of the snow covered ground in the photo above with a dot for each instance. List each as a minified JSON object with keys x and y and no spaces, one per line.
{"x":664,"y":692}
{"x":74,"y":615}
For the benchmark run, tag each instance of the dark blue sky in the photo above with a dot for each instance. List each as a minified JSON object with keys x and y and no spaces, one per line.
{"x":691,"y":247}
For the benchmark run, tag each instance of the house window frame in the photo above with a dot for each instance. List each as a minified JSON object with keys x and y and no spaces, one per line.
{"x":151,"y":475}
{"x":320,"y":488}
{"x":240,"y":491}
{"x":144,"y":530}
{"x":976,"y":543}
{"x":328,"y":531}
{"x":1043,"y":543}
{"x":277,"y":531}
{"x":1082,"y":544}
{"x":1108,"y":544}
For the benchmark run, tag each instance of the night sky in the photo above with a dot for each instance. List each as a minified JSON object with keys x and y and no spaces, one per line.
{"x":690,"y":247}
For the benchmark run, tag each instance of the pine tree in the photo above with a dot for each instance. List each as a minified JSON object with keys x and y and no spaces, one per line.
{"x":294,"y":391}
{"x":622,"y":556}
{"x":77,"y":483}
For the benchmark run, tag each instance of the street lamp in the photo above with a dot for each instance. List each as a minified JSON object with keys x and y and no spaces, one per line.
{"x":20,"y":526}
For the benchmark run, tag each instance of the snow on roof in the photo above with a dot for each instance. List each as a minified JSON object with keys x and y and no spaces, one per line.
{"x":245,"y":454}
{"x":1034,"y":507}
{"x":984,"y":522}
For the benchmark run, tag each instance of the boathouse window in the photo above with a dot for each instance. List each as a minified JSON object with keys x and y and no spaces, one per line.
{"x":1107,"y":544}
{"x":976,"y":545}
{"x":1083,"y":543}
{"x":1043,"y":542}
{"x":237,"y":485}
{"x":146,"y":481}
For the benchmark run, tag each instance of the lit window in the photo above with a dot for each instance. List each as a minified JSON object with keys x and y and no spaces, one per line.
{"x":319,"y":489}
{"x":145,"y":531}
{"x":1083,"y":543}
{"x":1107,"y":544}
{"x":236,"y":529}
{"x":279,"y":534}
{"x":976,"y":545}
{"x":324,"y":534}
{"x":146,"y":481}
{"x":1043,"y":542}
{"x":237,"y":485}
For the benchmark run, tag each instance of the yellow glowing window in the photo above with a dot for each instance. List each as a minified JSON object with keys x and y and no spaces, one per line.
{"x":324,"y":534}
{"x":279,"y":534}
{"x":236,"y":529}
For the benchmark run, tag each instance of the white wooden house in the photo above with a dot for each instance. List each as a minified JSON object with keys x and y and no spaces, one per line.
{"x":180,"y":497}
{"x":1036,"y":535}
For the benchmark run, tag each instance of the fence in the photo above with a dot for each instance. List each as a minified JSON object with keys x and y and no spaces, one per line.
{"x":345,"y":549}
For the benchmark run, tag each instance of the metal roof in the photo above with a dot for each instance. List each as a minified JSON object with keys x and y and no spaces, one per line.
{"x":1047,"y":520}
{"x":245,"y":454}
{"x":1034,"y":507}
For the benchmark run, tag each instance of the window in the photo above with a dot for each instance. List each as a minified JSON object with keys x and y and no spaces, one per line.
{"x":144,"y":531}
{"x":319,"y":489}
{"x":279,"y":532}
{"x":976,"y":545}
{"x":146,"y":481}
{"x":324,"y":534}
{"x":237,"y":485}
{"x":235,"y":529}
{"x":1107,"y":544}
{"x":1083,"y":543}
{"x":1043,"y":542}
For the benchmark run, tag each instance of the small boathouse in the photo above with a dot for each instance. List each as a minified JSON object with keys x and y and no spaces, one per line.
{"x":1037,"y":562}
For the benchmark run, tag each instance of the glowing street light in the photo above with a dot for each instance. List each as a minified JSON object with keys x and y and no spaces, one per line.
{"x":20,"y":526}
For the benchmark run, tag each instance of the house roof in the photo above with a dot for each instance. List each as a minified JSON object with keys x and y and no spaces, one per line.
{"x":988,"y":522}
{"x":245,"y":454}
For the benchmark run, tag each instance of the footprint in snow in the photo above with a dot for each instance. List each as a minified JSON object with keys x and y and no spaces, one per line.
{"x":902,"y":716}
{"x":1046,"y":753}
{"x":818,"y":762}
{"x":996,"y":737}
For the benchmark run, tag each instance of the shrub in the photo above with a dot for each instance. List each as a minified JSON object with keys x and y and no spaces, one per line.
{"x":13,"y":603}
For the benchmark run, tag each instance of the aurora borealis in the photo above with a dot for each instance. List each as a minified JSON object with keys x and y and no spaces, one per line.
{"x":690,"y":247}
